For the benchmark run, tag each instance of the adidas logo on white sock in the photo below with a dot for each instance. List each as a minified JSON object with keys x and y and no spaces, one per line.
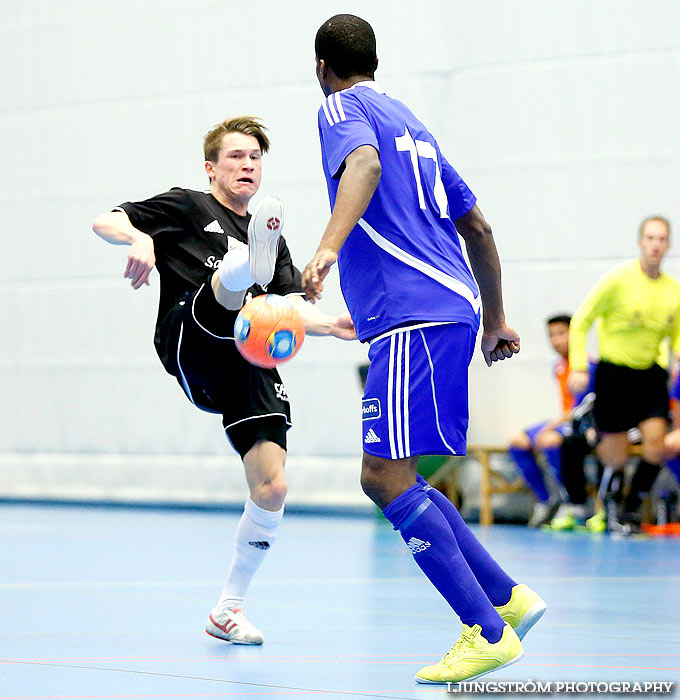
{"x":416,"y":545}
{"x":371,"y":436}
{"x":214,"y":227}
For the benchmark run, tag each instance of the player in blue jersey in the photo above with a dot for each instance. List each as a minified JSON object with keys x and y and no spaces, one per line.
{"x":397,"y":208}
{"x":672,"y":440}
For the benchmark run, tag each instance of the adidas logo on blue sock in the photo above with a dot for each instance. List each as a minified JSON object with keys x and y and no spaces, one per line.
{"x":416,"y":545}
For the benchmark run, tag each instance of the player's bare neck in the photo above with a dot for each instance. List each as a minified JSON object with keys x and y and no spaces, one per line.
{"x":338,"y":84}
{"x":236,"y":205}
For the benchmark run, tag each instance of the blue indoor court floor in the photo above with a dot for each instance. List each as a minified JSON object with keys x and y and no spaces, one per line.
{"x":111,"y":603}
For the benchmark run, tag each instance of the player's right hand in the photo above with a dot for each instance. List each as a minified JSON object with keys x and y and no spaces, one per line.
{"x":315,"y":272}
{"x":141,"y":260}
{"x":578,"y":381}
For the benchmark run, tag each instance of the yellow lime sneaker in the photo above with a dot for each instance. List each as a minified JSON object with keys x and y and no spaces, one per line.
{"x":563,"y":523}
{"x":472,"y":656}
{"x":524,"y":609}
{"x":598,"y":523}
{"x":569,"y":516}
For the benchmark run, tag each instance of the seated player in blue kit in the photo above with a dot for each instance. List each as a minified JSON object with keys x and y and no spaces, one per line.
{"x":547,"y":437}
{"x":672,"y":440}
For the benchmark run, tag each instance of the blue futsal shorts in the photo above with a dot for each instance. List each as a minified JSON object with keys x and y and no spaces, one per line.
{"x":416,"y":396}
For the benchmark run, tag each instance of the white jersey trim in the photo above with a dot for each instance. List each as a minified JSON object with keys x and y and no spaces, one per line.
{"x":398,"y":395}
{"x":332,"y":105}
{"x":369,"y":84}
{"x":185,"y":384}
{"x":198,"y":323}
{"x":327,"y":113}
{"x":264,"y":415}
{"x":432,"y":272}
{"x":434,"y":395}
{"x":333,"y":109}
{"x":338,"y":104}
{"x":403,"y":329}
{"x":390,"y":402}
{"x":407,"y":372}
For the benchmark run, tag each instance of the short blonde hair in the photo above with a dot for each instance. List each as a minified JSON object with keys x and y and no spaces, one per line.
{"x":660,"y":219}
{"x":252,"y":126}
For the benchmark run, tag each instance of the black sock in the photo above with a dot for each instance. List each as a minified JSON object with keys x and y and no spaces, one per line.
{"x":573,"y":452}
{"x":641,"y":484}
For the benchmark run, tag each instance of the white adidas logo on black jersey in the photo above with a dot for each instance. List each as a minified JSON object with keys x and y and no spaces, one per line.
{"x":214,"y":227}
{"x":371,"y":436}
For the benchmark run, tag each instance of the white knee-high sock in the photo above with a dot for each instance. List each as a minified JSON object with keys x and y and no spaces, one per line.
{"x":234,"y":270}
{"x":255,"y":534}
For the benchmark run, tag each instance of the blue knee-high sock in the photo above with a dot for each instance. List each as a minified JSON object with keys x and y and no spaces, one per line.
{"x":494,"y":581}
{"x":528,"y":467}
{"x":674,"y":467}
{"x":553,"y":456}
{"x":433,"y":545}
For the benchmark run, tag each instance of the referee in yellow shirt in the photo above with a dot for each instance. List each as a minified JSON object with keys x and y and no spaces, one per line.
{"x":635,"y":307}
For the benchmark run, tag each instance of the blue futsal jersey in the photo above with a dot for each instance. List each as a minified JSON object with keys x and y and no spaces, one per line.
{"x":403,"y":262}
{"x":675,"y":388}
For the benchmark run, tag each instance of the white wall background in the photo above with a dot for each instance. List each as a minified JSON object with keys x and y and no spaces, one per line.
{"x":562,"y":117}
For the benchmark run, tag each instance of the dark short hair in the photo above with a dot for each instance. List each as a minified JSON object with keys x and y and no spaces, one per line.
{"x":347,"y":44}
{"x":559,"y":318}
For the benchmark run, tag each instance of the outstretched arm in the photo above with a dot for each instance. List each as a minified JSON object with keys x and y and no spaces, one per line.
{"x":115,"y":227}
{"x":318,"y":323}
{"x":498,"y":339}
{"x":357,"y":185}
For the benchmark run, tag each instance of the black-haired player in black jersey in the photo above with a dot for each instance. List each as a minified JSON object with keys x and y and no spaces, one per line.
{"x":211,"y":256}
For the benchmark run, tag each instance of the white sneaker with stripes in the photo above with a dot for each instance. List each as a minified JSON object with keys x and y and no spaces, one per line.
{"x":231,"y":625}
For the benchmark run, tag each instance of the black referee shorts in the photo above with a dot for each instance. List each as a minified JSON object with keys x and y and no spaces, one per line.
{"x":198,"y":349}
{"x":624,"y":397}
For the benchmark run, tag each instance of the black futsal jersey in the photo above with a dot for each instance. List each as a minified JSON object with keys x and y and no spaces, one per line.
{"x":192,"y":232}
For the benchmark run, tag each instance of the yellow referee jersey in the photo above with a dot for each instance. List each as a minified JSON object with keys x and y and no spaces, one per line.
{"x":634,"y":313}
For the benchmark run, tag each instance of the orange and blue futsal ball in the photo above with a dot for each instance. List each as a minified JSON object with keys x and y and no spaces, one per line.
{"x":269,"y":330}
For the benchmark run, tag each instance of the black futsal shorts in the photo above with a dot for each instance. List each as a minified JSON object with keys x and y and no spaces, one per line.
{"x":624,"y":397}
{"x":197,"y":347}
